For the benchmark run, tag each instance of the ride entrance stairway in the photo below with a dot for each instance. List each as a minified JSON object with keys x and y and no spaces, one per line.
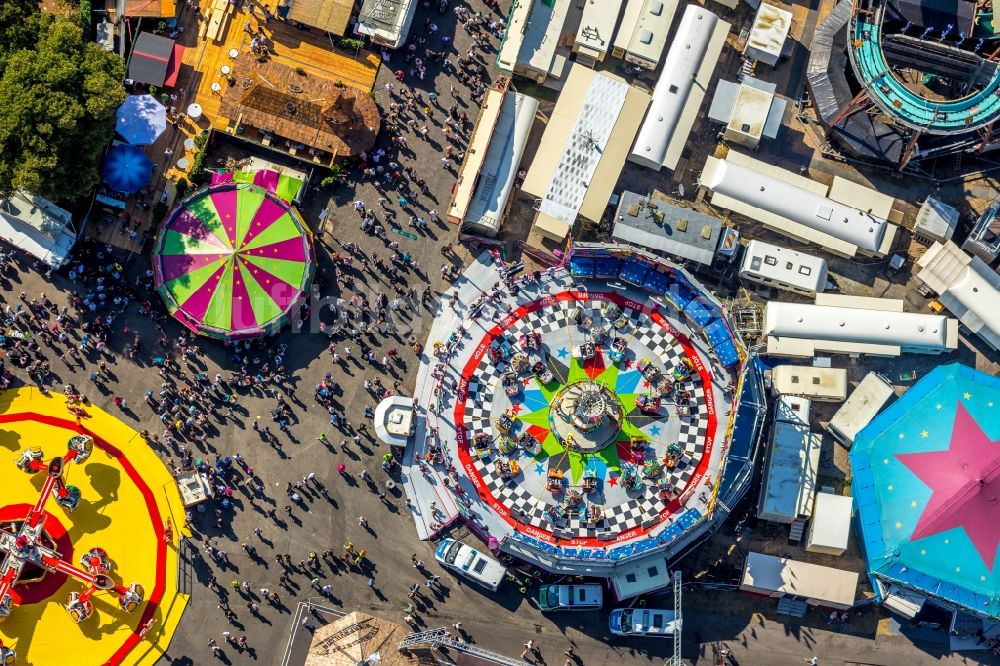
{"x":794,"y":606}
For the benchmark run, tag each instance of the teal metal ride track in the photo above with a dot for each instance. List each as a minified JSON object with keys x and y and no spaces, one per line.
{"x":907,"y":107}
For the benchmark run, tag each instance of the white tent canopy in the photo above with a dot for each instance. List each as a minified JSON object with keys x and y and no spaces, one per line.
{"x":38,"y":227}
{"x":830,"y":528}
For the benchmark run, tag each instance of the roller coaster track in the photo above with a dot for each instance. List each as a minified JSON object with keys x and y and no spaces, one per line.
{"x":976,"y":110}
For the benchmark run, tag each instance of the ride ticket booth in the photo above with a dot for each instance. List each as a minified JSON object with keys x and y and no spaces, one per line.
{"x":395,"y":420}
{"x":194,"y":488}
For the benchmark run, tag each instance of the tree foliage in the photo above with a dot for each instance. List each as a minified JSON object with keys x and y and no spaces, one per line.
{"x":20,"y":25}
{"x":58,"y":98}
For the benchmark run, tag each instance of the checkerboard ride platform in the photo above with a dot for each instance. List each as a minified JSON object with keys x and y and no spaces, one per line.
{"x":525,"y":496}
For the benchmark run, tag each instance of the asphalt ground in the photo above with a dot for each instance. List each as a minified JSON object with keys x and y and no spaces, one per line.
{"x":500,"y":621}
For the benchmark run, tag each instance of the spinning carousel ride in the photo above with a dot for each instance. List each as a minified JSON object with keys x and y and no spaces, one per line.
{"x":586,"y":416}
{"x":26,"y":549}
{"x":615,"y":411}
{"x":78,"y":526}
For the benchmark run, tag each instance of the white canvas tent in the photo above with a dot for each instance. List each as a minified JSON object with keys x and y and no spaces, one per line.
{"x":37,"y":226}
{"x":967,"y":286}
{"x":830,"y":527}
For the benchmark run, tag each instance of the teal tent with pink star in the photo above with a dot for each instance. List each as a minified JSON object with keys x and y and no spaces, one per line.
{"x":926,"y":487}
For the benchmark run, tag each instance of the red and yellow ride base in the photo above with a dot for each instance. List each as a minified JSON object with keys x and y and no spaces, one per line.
{"x":128,"y":500}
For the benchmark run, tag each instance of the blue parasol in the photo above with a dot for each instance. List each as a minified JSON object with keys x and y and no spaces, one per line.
{"x":126,"y":168}
{"x":141,"y":119}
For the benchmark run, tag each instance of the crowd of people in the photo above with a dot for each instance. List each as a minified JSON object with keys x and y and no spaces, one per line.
{"x":108,"y":315}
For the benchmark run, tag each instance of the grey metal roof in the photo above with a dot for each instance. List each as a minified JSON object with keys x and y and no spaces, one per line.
{"x":724,"y":100}
{"x":937,"y":219}
{"x":657,"y":225}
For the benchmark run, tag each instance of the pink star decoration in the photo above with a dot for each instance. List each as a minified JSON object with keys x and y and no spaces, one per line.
{"x":965,"y":484}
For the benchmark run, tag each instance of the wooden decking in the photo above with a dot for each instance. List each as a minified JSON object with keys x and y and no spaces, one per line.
{"x":204,"y":58}
{"x":291,"y":47}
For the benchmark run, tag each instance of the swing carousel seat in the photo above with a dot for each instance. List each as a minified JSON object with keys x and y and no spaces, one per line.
{"x":505,"y":422}
{"x":507,"y":445}
{"x":529,"y":444}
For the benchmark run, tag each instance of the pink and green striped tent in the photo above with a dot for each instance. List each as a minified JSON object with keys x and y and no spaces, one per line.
{"x":233,"y":261}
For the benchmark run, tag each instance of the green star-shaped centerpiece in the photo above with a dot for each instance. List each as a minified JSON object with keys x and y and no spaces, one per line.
{"x":585,"y":416}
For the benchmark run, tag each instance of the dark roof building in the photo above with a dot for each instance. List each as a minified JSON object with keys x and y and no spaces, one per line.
{"x":673,"y":230}
{"x":302,"y":109}
{"x":155,"y":60}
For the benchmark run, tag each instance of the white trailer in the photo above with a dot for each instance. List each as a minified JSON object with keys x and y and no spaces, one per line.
{"x":783,"y":268}
{"x":809,"y":381}
{"x":861,"y":407}
{"x":777,"y":577}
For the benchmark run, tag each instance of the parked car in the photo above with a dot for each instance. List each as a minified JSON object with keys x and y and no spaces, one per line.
{"x":571,"y":597}
{"x":651,"y":622}
{"x":469,"y":562}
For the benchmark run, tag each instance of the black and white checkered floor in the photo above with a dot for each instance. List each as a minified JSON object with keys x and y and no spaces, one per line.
{"x":525,"y":495}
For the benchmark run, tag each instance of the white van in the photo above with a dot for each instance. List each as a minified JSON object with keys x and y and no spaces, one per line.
{"x":469,"y":562}
{"x":651,"y":622}
{"x":570,"y":597}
